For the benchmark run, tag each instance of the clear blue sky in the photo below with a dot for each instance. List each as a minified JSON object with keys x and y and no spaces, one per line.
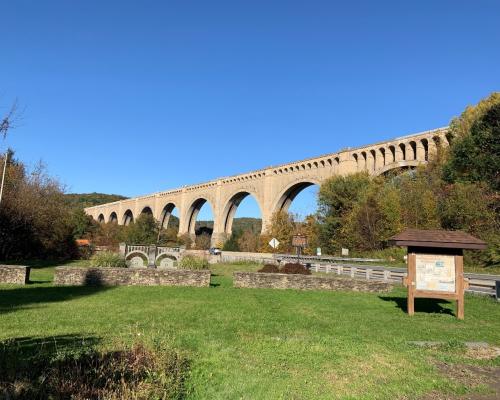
{"x":135,"y":97}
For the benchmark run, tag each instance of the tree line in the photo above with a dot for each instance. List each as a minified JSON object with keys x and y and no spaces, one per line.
{"x":457,"y":190}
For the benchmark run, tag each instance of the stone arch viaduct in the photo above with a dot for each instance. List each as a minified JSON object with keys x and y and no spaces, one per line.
{"x":274,"y":188}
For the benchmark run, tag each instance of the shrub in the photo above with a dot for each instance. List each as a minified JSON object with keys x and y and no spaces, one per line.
{"x":289,"y":268}
{"x":86,"y":373}
{"x":270,"y":268}
{"x":295,"y":268}
{"x":107,"y":259}
{"x":193,"y":262}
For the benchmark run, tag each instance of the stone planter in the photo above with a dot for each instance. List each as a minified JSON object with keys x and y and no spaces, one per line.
{"x":306,"y":282}
{"x":130,"y":276}
{"x":14,"y":274}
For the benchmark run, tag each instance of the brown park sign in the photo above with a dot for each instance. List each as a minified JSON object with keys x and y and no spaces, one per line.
{"x":435,"y":264}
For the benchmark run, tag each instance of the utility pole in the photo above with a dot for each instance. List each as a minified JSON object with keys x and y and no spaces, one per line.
{"x":3,"y":174}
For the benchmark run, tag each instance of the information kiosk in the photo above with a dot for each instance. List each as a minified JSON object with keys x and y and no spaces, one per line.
{"x":435,"y":264}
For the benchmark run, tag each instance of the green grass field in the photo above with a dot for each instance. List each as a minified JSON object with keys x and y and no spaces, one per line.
{"x":267,"y":344}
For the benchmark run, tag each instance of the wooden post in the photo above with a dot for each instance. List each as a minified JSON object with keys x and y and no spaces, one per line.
{"x":412,"y":272}
{"x":459,"y":281}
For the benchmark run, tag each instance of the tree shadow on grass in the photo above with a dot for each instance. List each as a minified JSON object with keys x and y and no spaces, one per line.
{"x":431,"y":306}
{"x":15,"y":299}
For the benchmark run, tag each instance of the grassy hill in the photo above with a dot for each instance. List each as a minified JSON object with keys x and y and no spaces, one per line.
{"x":239,"y":224}
{"x":82,"y":200}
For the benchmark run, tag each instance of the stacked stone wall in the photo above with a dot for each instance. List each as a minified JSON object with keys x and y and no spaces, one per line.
{"x":306,"y":282}
{"x":128,"y":276}
{"x":14,"y":274}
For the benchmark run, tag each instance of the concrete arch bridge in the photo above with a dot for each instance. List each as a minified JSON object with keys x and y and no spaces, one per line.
{"x":274,"y":188}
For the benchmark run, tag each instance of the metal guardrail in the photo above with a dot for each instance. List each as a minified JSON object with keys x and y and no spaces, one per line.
{"x":308,"y":259}
{"x":478,"y":283}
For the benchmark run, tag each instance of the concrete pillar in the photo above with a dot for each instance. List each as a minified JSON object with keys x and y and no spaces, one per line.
{"x":379,"y":159}
{"x":432,"y":149}
{"x":444,"y":140}
{"x":347,"y":164}
{"x":183,"y":214}
{"x":399,"y":153}
{"x":370,"y":162}
{"x":218,"y":239}
{"x":420,"y":151}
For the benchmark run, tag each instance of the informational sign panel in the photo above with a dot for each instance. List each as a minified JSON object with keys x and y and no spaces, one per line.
{"x":299,"y":241}
{"x":345,"y":252}
{"x":435,"y":273}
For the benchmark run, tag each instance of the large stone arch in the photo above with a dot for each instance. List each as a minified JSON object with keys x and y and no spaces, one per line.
{"x":128,"y":217}
{"x":231,"y":205}
{"x":288,"y":194}
{"x":147,"y":210}
{"x":400,"y":164}
{"x":100,"y":218}
{"x":193,"y":210}
{"x":166,"y":213}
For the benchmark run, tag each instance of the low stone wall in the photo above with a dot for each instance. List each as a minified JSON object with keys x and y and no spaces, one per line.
{"x":128,"y":276}
{"x":306,"y":282}
{"x":16,"y":274}
{"x":235,"y":256}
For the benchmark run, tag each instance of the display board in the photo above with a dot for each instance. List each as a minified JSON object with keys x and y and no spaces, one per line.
{"x":435,"y":273}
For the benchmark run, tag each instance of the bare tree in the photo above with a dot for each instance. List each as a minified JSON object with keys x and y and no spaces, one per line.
{"x":6,"y":125}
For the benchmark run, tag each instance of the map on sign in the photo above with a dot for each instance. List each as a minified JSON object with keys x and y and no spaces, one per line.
{"x":435,"y":272}
{"x":274,"y":243}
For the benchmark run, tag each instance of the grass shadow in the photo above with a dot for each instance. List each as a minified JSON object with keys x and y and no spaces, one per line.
{"x":23,"y":297}
{"x":431,"y":306}
{"x":212,"y":283}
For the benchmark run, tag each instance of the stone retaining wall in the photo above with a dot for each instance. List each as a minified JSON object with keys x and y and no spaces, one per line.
{"x":16,"y":274}
{"x":235,"y":256}
{"x":127,"y":276}
{"x":306,"y":282}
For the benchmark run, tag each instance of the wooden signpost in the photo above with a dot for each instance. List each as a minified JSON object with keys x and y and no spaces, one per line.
{"x":435,"y":264}
{"x":299,"y":241}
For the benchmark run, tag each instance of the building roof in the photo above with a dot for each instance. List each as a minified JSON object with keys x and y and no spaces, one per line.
{"x":437,"y":238}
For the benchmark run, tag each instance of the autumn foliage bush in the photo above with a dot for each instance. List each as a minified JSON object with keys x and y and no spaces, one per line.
{"x":270,"y":268}
{"x":289,"y":268}
{"x":82,"y":373}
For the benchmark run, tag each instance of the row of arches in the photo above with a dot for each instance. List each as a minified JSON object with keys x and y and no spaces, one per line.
{"x":412,"y":152}
{"x":243,"y":204}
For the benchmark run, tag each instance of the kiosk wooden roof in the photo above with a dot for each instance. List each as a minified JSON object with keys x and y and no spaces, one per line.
{"x":437,"y":238}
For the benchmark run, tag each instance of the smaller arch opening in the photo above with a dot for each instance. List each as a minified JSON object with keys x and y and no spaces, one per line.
{"x":100,"y":218}
{"x":412,"y":154}
{"x":402,"y":147}
{"x":382,"y":153}
{"x":425,"y":145}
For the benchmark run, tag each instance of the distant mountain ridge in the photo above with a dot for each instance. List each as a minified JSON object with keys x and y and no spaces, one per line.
{"x":83,"y":200}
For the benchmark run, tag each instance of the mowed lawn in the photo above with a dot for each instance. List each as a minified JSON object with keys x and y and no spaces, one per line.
{"x":267,"y":344}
